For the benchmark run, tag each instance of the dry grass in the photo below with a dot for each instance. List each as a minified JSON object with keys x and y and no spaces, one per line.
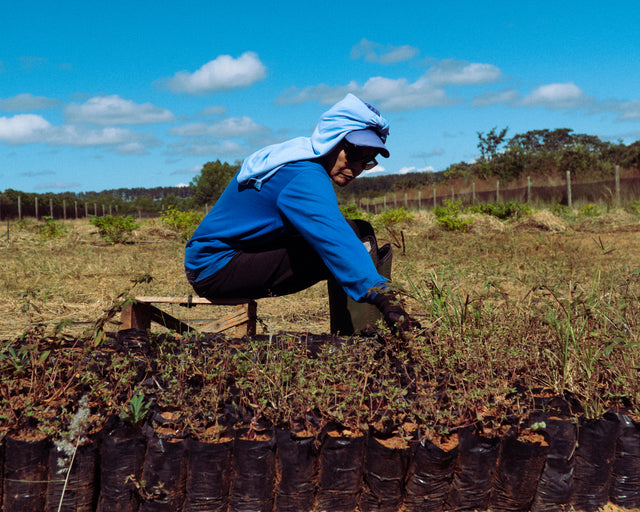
{"x":74,"y":279}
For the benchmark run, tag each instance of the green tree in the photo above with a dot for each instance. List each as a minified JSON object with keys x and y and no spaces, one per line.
{"x":489,"y":144}
{"x":211,"y":181}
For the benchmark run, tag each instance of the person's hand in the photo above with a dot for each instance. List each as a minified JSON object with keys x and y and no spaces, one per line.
{"x":394,"y":314}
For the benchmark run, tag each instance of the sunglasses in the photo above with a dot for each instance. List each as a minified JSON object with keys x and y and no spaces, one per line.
{"x":355,"y":154}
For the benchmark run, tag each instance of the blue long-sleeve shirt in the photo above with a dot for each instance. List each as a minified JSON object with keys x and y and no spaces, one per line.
{"x":298,"y":200}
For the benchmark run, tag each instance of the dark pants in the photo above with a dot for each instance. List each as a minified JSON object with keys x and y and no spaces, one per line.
{"x":290,"y":268}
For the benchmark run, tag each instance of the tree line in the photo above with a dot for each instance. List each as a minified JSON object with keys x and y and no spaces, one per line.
{"x":545,"y":152}
{"x":534,"y":153}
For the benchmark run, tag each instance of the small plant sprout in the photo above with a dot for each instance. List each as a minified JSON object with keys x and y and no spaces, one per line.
{"x":137,"y":409}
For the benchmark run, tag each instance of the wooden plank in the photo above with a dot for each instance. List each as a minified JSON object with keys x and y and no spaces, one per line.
{"x":249,"y":327}
{"x":135,"y":316}
{"x":194,"y":300}
{"x":243,"y":319}
{"x":140,"y":314}
{"x":170,"y":322}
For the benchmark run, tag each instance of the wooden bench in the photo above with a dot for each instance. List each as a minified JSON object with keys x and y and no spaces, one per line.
{"x":140,"y":313}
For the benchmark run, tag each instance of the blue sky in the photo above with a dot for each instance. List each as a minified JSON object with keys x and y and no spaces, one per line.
{"x":101,"y":95}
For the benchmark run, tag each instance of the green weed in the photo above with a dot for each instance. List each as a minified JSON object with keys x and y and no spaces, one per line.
{"x":51,"y":228}
{"x":185,"y":223}
{"x":115,"y":229}
{"x":448,"y":216}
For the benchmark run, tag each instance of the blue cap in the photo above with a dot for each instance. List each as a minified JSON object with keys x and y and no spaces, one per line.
{"x":367,"y":138}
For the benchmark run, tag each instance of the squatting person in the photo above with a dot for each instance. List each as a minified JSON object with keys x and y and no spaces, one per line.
{"x":277,"y":228}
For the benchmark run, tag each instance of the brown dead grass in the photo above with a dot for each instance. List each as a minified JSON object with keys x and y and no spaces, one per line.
{"x":76,"y":278}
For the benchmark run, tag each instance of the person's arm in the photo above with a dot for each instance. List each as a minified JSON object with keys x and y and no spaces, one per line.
{"x":309,"y":203}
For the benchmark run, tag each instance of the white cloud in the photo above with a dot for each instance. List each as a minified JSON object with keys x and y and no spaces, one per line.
{"x":114,"y":110}
{"x":505,"y":97}
{"x":235,"y":127}
{"x":376,"y":171}
{"x":26,"y":102}
{"x":629,"y":111}
{"x":225,"y":149}
{"x":34,"y":129}
{"x":221,"y":74}
{"x":23,"y":128}
{"x":386,"y":94}
{"x":462,"y":73}
{"x":556,"y":96}
{"x":228,"y":128}
{"x":382,"y":54}
{"x":409,"y":169}
{"x":131,"y":148}
{"x":190,"y":171}
{"x":325,"y":94}
{"x":398,"y":94}
{"x":214,"y":110}
{"x":71,"y":135}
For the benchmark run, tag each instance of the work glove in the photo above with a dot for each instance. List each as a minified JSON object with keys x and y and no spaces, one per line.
{"x":394,"y":314}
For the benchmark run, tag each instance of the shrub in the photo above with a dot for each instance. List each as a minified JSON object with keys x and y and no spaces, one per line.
{"x":185,"y":223}
{"x":589,"y":210}
{"x":560,"y":209}
{"x":633,"y":207}
{"x":394,"y":216}
{"x":351,"y":211}
{"x":448,"y":216}
{"x":114,"y":228}
{"x":51,"y":228}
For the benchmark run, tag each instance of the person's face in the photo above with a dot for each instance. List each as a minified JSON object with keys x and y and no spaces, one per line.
{"x":350,"y":162}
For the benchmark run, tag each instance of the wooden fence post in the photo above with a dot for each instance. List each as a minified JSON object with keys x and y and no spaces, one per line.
{"x":569,"y":201}
{"x":19,"y":209}
{"x":64,"y":209}
{"x":36,"y":205}
{"x":419,"y":199}
{"x":528,"y":189}
{"x":617,"y":168}
{"x":497,"y":191}
{"x":473,"y":192}
{"x":434,"y":197}
{"x":51,"y":207}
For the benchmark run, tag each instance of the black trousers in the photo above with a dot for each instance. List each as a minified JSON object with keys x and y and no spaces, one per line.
{"x":281,"y":270}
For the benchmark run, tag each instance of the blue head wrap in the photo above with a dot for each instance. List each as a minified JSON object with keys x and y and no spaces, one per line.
{"x":347,"y":115}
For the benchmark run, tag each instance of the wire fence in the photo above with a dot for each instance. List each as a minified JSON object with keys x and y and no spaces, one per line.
{"x":614,"y":191}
